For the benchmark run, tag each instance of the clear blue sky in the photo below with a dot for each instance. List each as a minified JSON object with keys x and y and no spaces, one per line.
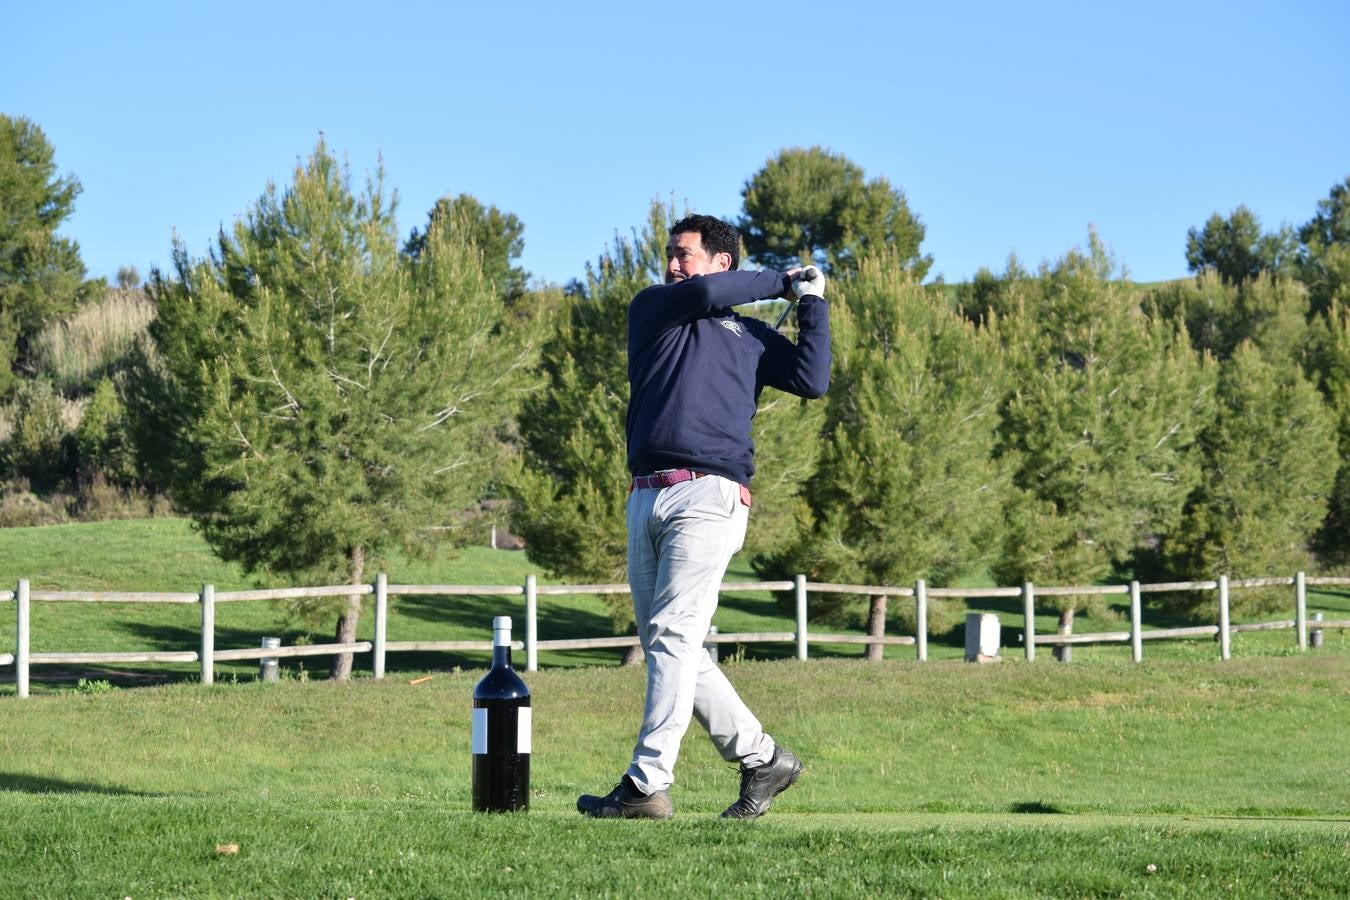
{"x":1010,"y":127}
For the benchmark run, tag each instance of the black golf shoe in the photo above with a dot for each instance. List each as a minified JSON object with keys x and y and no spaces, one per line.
{"x":762,"y":783}
{"x":627,"y":802}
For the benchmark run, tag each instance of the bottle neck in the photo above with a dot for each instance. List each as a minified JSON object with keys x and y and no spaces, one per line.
{"x":501,"y":656}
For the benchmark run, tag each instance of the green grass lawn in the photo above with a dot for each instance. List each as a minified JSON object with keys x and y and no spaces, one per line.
{"x":943,"y":779}
{"x":167,"y":555}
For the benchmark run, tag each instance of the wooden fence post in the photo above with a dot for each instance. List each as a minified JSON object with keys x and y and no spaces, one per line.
{"x":921,"y":619}
{"x":531,"y":625}
{"x":1029,"y":626}
{"x":381,"y":622}
{"x":1301,"y":610}
{"x":1225,"y":639}
{"x":208,"y":650}
{"x":1136,"y":623}
{"x":711,"y":646}
{"x":21,"y":644}
{"x":1317,"y":631}
{"x":801,"y":616}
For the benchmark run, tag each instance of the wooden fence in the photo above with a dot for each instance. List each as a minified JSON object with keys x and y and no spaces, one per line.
{"x":207,"y":654}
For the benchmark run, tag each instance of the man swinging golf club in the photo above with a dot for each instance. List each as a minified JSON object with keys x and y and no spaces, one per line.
{"x":695,"y":372}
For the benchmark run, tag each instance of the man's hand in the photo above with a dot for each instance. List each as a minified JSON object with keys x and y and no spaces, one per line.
{"x":809,"y":280}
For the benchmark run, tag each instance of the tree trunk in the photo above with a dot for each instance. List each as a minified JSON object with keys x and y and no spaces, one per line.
{"x":876,"y":625}
{"x":1064,"y":652}
{"x":633,"y":656}
{"x":346,"y":625}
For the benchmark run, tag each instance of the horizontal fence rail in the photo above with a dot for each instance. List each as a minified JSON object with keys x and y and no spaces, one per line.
{"x":161,"y":656}
{"x":1170,"y":586}
{"x":299,"y":593}
{"x":110,"y":597}
{"x":207,"y":656}
{"x":457,"y":590}
{"x":287,"y":652}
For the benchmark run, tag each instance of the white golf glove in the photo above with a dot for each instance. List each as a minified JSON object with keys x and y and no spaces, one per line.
{"x":810,"y":280}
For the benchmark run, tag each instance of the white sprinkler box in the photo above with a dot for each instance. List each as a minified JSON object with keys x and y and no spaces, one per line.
{"x":982,"y":635}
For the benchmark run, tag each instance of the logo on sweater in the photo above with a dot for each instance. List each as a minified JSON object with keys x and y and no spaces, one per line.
{"x":731,"y":325}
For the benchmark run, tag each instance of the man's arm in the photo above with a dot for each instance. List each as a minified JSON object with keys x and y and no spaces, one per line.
{"x":662,"y":305}
{"x":802,"y":368}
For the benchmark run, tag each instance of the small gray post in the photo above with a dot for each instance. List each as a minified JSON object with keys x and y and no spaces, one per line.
{"x":711,"y":646}
{"x":921,"y":619}
{"x":801,"y":617}
{"x":1225,"y":638}
{"x":208,"y":652}
{"x":1029,"y":627}
{"x":381,"y":622}
{"x":268,"y":666}
{"x":21,"y":640}
{"x":1301,"y":610}
{"x":1317,"y":631}
{"x":531,"y":625}
{"x":1136,"y":623}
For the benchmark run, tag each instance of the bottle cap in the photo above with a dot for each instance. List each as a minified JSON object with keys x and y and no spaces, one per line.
{"x":501,"y":631}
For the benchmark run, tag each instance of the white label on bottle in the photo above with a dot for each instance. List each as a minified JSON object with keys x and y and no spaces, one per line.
{"x":523,"y":730}
{"x":480,"y":730}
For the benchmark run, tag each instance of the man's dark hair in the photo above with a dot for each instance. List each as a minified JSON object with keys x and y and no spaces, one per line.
{"x":715,"y":235}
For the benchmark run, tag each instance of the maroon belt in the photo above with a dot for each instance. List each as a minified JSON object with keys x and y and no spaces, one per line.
{"x":666,"y":479}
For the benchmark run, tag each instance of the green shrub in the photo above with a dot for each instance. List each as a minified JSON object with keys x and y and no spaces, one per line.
{"x":41,"y":447}
{"x":102,"y":438}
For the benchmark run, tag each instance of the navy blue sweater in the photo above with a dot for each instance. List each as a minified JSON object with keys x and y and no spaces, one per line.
{"x":696,"y":369}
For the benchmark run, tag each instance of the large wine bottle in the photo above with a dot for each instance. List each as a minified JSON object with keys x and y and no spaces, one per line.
{"x":501,"y":731}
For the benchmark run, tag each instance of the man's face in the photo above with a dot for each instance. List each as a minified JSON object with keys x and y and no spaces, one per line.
{"x":685,"y":256}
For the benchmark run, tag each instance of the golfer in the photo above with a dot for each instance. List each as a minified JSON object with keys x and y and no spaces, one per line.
{"x":695,"y":372}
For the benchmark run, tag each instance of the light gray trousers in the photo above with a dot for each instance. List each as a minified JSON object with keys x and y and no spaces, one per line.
{"x":680,"y":540}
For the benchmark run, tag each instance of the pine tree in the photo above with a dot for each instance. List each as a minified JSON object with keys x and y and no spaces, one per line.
{"x":1237,"y":250}
{"x":498,"y":236}
{"x":1099,"y":427}
{"x":906,"y":486}
{"x":816,"y":205}
{"x":786,"y":432}
{"x":1265,"y":481}
{"x":1271,"y":312}
{"x":323,"y":399}
{"x":42,"y":277}
{"x":987,"y":295}
{"x":1330,"y":364}
{"x":570,"y":487}
{"x":1324,"y":254}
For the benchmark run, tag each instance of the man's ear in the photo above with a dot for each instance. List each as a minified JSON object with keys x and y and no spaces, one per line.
{"x":722,"y":261}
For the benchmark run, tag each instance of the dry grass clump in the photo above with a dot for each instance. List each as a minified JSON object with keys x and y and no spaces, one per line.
{"x":75,"y":352}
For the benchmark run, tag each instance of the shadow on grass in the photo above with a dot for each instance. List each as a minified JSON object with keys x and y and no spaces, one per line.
{"x":32,"y":784}
{"x":553,"y":624}
{"x":769,"y":607}
{"x":172,"y":638}
{"x":476,"y":613}
{"x":472,"y":617}
{"x":1036,"y":807}
{"x":169,"y":637}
